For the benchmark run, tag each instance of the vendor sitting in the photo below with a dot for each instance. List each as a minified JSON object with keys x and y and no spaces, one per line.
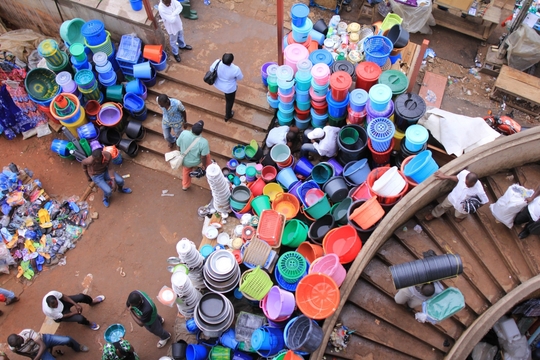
{"x":285,"y":135}
{"x":323,"y":141}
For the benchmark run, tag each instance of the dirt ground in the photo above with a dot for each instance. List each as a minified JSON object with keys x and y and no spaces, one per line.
{"x":136,"y":235}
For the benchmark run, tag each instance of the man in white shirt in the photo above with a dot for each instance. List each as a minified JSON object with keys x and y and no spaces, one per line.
{"x":467,"y":187}
{"x":228,"y":74}
{"x":170,"y":10}
{"x":58,"y":306}
{"x":282,"y":135}
{"x":414,"y":296}
{"x":529,"y":215}
{"x":32,"y":344}
{"x":323,"y":141}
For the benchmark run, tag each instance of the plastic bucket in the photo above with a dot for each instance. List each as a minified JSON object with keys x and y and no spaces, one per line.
{"x":228,"y":339}
{"x":87,"y":131}
{"x":376,"y":174}
{"x":299,"y":14}
{"x":319,"y":229}
{"x":302,"y":95}
{"x":358,"y":99}
{"x":219,"y":353}
{"x":357,"y":171}
{"x":60,"y":147}
{"x":72,"y":127}
{"x":294,"y":233}
{"x":303,"y":106}
{"x":302,"y":124}
{"x":129,"y":146}
{"x":153,"y":53}
{"x":346,"y":155}
{"x":336,"y":189}
{"x":310,"y":251}
{"x":260,"y":203}
{"x":303,"y":167}
{"x":301,"y":33}
{"x":381,"y":158}
{"x":279,"y":303}
{"x":343,"y":242}
{"x":339,"y":211}
{"x":409,"y":108}
{"x":94,"y":32}
{"x":142,"y":70}
{"x":133,"y":103}
{"x":109,"y":136}
{"x":368,"y":214}
{"x":379,"y":96}
{"x":367,"y":75}
{"x":337,"y":109}
{"x":286,"y":98}
{"x":349,"y":137}
{"x":321,"y":173}
{"x":286,"y":177}
{"x":415,"y":137}
{"x":340,"y":82}
{"x":268,"y":173}
{"x":280,"y":153}
{"x":319,"y":209}
{"x":135,"y":86}
{"x":196,"y":352}
{"x":92,"y":108}
{"x":303,"y":81}
{"x":421,"y":166}
{"x":161,"y":64}
{"x":304,"y":335}
{"x":330,"y":265}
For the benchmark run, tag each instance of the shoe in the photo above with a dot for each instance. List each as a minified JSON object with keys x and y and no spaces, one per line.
{"x":185,"y":189}
{"x":230,"y":117}
{"x":171,"y":145}
{"x":83,"y":348}
{"x":162,"y":320}
{"x":12,"y":300}
{"x":126,"y":190}
{"x":429,"y":216}
{"x":193,"y":12}
{"x":161,"y":343}
{"x":187,"y":47}
{"x":94,"y":326}
{"x":99,"y":299}
{"x":522,"y":235}
{"x":177,"y":58}
{"x":106,"y":202}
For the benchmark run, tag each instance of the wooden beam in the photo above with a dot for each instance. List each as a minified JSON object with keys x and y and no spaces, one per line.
{"x":416,"y":69}
{"x":280,"y":32}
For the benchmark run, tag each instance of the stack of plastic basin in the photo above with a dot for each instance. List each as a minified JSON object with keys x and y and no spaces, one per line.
{"x":271,"y":80}
{"x":107,"y":76}
{"x":357,"y":106}
{"x":88,"y":86}
{"x":285,"y":81}
{"x":301,"y":33}
{"x":321,"y":56}
{"x":294,"y":53}
{"x":367,"y":75}
{"x":129,"y":54}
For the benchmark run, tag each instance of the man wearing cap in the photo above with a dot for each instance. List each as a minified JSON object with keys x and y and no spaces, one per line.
{"x":323,"y":141}
{"x":196,"y":152}
{"x":285,"y":135}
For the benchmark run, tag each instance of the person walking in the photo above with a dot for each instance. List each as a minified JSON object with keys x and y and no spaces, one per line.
{"x":96,"y":168}
{"x":58,"y":306}
{"x":8,"y":297}
{"x":196,"y":151}
{"x":174,"y":118}
{"x":228,"y":74}
{"x":468,"y":187}
{"x":323,"y":141}
{"x":144,"y":313}
{"x":529,"y":216}
{"x":30,"y":343}
{"x":119,"y":350}
{"x":414,"y":296}
{"x":170,"y":10}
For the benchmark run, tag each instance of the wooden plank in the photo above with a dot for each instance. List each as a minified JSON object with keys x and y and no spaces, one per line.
{"x":416,"y":67}
{"x":384,"y":333}
{"x":518,"y":84}
{"x":457,"y":23}
{"x":442,"y":233}
{"x":381,"y":305}
{"x":462,"y":5}
{"x":365,"y":349}
{"x":436,"y":84}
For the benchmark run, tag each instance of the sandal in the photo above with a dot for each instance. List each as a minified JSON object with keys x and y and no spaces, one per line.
{"x":429,"y":217}
{"x":98,"y":299}
{"x":161,"y":343}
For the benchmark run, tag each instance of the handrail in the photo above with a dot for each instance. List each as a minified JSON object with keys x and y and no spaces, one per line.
{"x":503,"y":153}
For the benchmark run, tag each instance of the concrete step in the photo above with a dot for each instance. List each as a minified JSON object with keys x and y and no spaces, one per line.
{"x":213,"y":104}
{"x":234,"y":132}
{"x":181,"y":74}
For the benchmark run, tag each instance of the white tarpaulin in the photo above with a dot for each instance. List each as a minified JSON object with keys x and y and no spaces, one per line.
{"x":457,"y":133}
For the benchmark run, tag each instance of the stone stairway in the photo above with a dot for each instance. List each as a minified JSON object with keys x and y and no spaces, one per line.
{"x":203,"y":102}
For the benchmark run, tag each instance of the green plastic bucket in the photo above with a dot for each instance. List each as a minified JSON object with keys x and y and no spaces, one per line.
{"x":260,"y":203}
{"x":115,"y":93}
{"x":349,"y":136}
{"x":337,"y":122}
{"x":320,"y":208}
{"x":339,"y":211}
{"x":220,"y":353}
{"x":294,"y":233}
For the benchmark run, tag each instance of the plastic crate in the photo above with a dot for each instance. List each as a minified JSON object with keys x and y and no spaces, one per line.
{"x":129,"y":50}
{"x":271,"y":224}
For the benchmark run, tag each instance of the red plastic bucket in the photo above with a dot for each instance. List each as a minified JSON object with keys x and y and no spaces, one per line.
{"x":340,"y":82}
{"x":381,"y":158}
{"x":319,"y":109}
{"x":302,"y":115}
{"x":367,"y":75}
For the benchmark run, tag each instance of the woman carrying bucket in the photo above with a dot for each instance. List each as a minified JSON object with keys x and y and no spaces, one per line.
{"x":227,"y":76}
{"x":174,"y":118}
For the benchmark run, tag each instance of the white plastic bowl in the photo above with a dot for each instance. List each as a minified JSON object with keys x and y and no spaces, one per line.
{"x":390,"y":183}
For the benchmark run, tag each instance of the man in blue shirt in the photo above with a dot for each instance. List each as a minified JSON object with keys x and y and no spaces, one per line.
{"x":174,"y":118}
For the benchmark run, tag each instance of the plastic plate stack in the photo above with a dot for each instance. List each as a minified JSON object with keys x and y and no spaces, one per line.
{"x":220,"y":188}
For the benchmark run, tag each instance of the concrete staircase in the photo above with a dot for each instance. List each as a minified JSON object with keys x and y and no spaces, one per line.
{"x":203,"y":102}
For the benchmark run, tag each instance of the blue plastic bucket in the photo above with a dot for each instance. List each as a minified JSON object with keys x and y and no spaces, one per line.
{"x":317,"y":36}
{"x":303,"y":167}
{"x":136,"y":5}
{"x":338,"y":169}
{"x":286,"y":108}
{"x":358,"y":99}
{"x":317,"y":120}
{"x":87,"y":131}
{"x":196,"y":352}
{"x":303,"y":106}
{"x":135,"y":87}
{"x":60,"y":147}
{"x":321,"y":56}
{"x":302,"y":96}
{"x":303,"y":80}
{"x":320,"y":90}
{"x":152,"y":81}
{"x":228,"y":339}
{"x":141,"y":115}
{"x":94,"y":32}
{"x":118,"y":159}
{"x":302,"y":124}
{"x":162,"y":65}
{"x":107,"y":82}
{"x":274,"y":103}
{"x":394,"y":58}
{"x":285,"y":87}
{"x":301,"y":34}
{"x":299,"y":14}
{"x":284,"y":121}
{"x":379,"y":96}
{"x":415,"y":137}
{"x":134,"y":103}
{"x":286,"y":177}
{"x":421,"y":167}
{"x":357,"y":171}
{"x":337,"y":109}
{"x":381,"y":131}
{"x":321,"y":173}
{"x":142,"y":70}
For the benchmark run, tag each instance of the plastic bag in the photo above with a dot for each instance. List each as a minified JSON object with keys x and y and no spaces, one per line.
{"x":510,"y":204}
{"x":523,"y":48}
{"x":415,"y":19}
{"x":5,"y":259}
{"x":484,"y":351}
{"x":443,"y":305}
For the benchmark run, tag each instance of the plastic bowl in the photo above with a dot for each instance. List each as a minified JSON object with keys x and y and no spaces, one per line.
{"x":40,"y":83}
{"x":114,"y":333}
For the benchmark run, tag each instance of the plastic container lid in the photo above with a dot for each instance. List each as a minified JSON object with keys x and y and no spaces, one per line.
{"x":299,"y":11}
{"x":321,"y":56}
{"x":320,"y":70}
{"x":343,"y":65}
{"x":395,"y":79}
{"x":381,"y":129}
{"x":296,"y":52}
{"x":380,"y":93}
{"x":353,"y":27}
{"x":410,"y":106}
{"x":304,"y":65}
{"x":63,"y":78}
{"x":76,"y":49}
{"x":417,"y":134}
{"x":100,"y":58}
{"x":92,"y":28}
{"x":47,"y":47}
{"x":368,"y":71}
{"x":340,"y":81}
{"x":272,"y":70}
{"x":303,"y":76}
{"x":358,"y":97}
{"x":284,"y":72}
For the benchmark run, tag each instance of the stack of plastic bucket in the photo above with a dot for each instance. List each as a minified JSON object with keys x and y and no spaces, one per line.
{"x":357,"y":106}
{"x":65,"y":80}
{"x":380,"y":102}
{"x":87,"y":85}
{"x":409,"y":108}
{"x":303,"y":83}
{"x":301,"y":24}
{"x":96,"y":38}
{"x":295,"y":53}
{"x":107,"y":76}
{"x":49,"y":50}
{"x":264,"y":74}
{"x":321,"y":56}
{"x":413,"y":141}
{"x":289,"y":40}
{"x":271,"y":79}
{"x":367,"y":75}
{"x":285,"y":81}
{"x":67,"y":109}
{"x":381,"y":137}
{"x":338,"y":98}
{"x":396,"y":80}
{"x":319,"y":89}
{"x":78,"y":57}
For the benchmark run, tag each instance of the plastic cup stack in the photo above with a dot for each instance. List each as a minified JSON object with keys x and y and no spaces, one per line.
{"x":189,"y":255}
{"x":188,"y":296}
{"x":219,"y":185}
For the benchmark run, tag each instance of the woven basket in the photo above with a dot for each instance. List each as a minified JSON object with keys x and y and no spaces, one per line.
{"x":257,"y":252}
{"x":255,"y":284}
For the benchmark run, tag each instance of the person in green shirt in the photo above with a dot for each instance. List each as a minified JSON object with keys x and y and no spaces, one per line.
{"x":120,"y":350}
{"x":198,"y":154}
{"x":144,"y":313}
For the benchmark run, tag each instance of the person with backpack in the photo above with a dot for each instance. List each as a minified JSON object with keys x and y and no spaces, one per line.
{"x":119,"y":350}
{"x":144,"y":312}
{"x":196,"y":152}
{"x":466,"y":197}
{"x":530,"y":216}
